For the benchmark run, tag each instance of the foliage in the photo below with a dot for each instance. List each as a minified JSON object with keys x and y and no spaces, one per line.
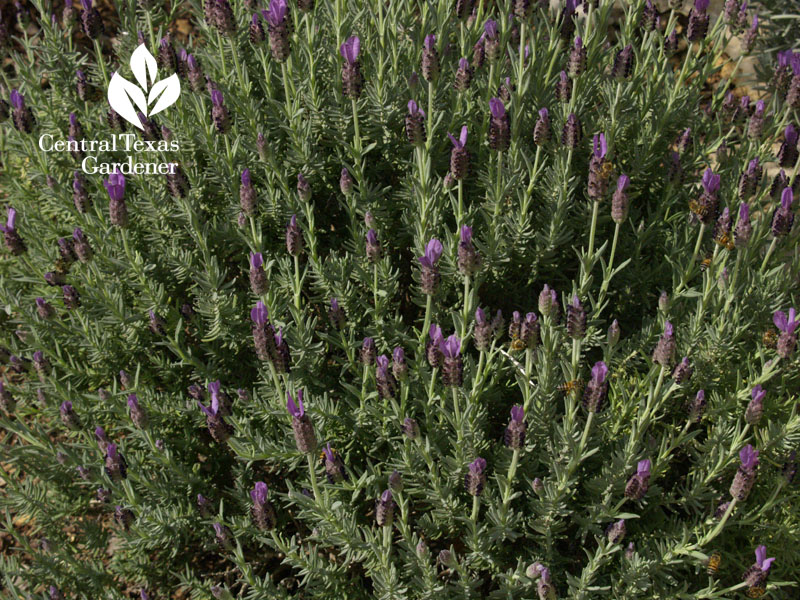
{"x":633,"y":217}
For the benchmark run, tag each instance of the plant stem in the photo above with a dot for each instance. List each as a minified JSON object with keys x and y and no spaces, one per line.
{"x":426,"y":323}
{"x":687,"y":272}
{"x":375,"y":286}
{"x":100,"y":62}
{"x":476,"y":506}
{"x":460,"y":214}
{"x":221,"y":47}
{"x":593,"y":228}
{"x":512,"y":470}
{"x":457,"y":415}
{"x":585,"y":436}
{"x":718,"y":529}
{"x":312,"y":471}
{"x":467,"y":306}
{"x":770,"y":250}
{"x":297,"y":284}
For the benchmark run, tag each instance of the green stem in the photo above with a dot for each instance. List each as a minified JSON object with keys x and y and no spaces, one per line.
{"x":688,"y":271}
{"x":429,"y":139}
{"x":770,"y":250}
{"x":356,"y":129}
{"x":375,"y":286}
{"x":718,"y":529}
{"x":512,"y":470}
{"x":467,"y":306}
{"x":457,"y":415}
{"x":460,"y":214}
{"x":100,"y":62}
{"x":586,"y":429}
{"x":222,"y":55}
{"x":610,"y":267}
{"x":426,"y":323}
{"x":312,"y":471}
{"x":297,"y":286}
{"x":595,"y":210}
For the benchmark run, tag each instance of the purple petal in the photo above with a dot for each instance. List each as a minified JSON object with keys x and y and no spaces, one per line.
{"x":497,"y":108}
{"x":259,"y":493}
{"x":259,"y":313}
{"x":786,"y":199}
{"x":599,"y":372}
{"x":780,"y":320}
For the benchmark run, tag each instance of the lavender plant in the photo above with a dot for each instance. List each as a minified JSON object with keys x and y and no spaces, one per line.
{"x":286,"y":335}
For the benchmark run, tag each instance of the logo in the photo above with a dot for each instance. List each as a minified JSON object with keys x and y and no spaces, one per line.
{"x":123,"y":95}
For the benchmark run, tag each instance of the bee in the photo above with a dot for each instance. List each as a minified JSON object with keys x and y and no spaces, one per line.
{"x":517,"y":344}
{"x":706,"y":263}
{"x":755,"y":592}
{"x":570,"y":386}
{"x":61,"y":266}
{"x":713,"y":563}
{"x":698,"y":208}
{"x":770,"y":338}
{"x":725,"y":241}
{"x":606,"y":169}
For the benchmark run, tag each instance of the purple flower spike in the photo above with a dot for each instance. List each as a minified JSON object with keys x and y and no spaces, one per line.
{"x":433,"y":251}
{"x":466,"y":234}
{"x":749,"y":457}
{"x":292,"y":407}
{"x":758,"y":393}
{"x":787,"y":197}
{"x":599,"y":372}
{"x":133,"y":401}
{"x":478,"y":466}
{"x":430,"y":42}
{"x":17,"y":100}
{"x":784,"y":323}
{"x":643,"y":468}
{"x":517,"y":413}
{"x":710,"y":182}
{"x":259,"y":493}
{"x":497,"y":107}
{"x":461,"y":141}
{"x":256,"y":260}
{"x":490,"y":28}
{"x":600,"y":146}
{"x":277,"y":12}
{"x":701,"y":5}
{"x":246,"y":177}
{"x":115,"y":185}
{"x":259,"y":314}
{"x":790,"y":134}
{"x":623,"y":182}
{"x":414,"y":109}
{"x":11,"y":224}
{"x":762,"y":561}
{"x":350,"y":49}
{"x":452,"y":346}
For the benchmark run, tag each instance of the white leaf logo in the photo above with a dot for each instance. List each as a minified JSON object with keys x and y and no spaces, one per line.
{"x":123,"y":95}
